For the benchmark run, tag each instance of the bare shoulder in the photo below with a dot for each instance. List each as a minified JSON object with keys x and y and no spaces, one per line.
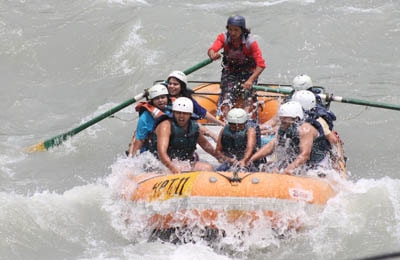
{"x":307,"y":128}
{"x":166,"y":124}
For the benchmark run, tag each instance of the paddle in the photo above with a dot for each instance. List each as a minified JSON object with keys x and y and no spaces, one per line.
{"x":359,"y":102}
{"x":57,"y":140}
{"x":333,"y":98}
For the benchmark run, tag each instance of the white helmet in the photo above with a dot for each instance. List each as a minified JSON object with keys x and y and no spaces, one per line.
{"x":183,"y":104}
{"x":237,"y":116}
{"x":306,"y":99}
{"x":179,"y":75}
{"x":157,"y":90}
{"x":302,"y":82}
{"x":291,"y":109}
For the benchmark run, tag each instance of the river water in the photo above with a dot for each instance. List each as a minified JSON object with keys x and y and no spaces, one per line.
{"x":65,"y":62}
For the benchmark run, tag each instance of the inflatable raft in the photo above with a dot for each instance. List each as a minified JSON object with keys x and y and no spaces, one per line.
{"x":211,"y":201}
{"x":178,"y":204}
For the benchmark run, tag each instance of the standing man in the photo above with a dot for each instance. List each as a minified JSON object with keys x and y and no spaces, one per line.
{"x":242,"y":64}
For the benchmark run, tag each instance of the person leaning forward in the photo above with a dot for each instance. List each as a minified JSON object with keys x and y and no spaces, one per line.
{"x":236,"y":141}
{"x":177,"y":139}
{"x":298,"y":145}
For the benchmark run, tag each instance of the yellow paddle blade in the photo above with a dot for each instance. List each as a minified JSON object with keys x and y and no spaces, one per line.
{"x":35,"y":148}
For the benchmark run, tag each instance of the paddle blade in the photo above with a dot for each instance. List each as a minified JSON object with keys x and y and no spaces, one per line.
{"x":40,"y":147}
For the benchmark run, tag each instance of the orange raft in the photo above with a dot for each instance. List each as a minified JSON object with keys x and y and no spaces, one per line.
{"x":207,"y":199}
{"x":213,"y":200}
{"x":207,"y":93}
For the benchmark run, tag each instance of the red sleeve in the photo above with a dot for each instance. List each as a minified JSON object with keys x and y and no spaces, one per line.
{"x":218,"y":43}
{"x":257,"y":55}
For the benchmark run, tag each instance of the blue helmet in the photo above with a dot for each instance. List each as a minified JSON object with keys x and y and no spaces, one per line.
{"x":236,"y":20}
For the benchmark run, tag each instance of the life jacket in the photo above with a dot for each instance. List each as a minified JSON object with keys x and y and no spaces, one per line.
{"x":182,"y":144}
{"x":156,"y":113}
{"x":234,"y":143}
{"x":238,"y":60}
{"x":289,"y":145}
{"x":323,"y":112}
{"x":321,"y":144}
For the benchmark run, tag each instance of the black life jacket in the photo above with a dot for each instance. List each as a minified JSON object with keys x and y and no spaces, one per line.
{"x":323,"y":112}
{"x":182,"y":144}
{"x":234,"y":143}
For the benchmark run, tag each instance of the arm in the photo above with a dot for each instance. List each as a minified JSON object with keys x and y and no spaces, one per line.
{"x":218,"y":149}
{"x":332,"y":138}
{"x":270,"y":127}
{"x":207,"y":132}
{"x":307,"y":133}
{"x":213,"y":119}
{"x":205,"y":144}
{"x":264,"y":151}
{"x":135,"y":146}
{"x":249,"y":82}
{"x":143,"y":128}
{"x":251,"y":143}
{"x":163,"y":132}
{"x":260,"y":65}
{"x":202,"y":112}
{"x":213,"y":55}
{"x":217,"y":45}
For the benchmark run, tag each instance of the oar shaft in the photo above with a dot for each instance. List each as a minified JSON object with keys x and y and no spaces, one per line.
{"x":333,"y":98}
{"x":56,"y":140}
{"x":198,"y":66}
{"x":62,"y":137}
{"x":360,"y":102}
{"x":284,"y":90}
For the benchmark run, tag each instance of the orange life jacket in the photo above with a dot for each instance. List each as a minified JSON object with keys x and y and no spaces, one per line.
{"x":156,"y":113}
